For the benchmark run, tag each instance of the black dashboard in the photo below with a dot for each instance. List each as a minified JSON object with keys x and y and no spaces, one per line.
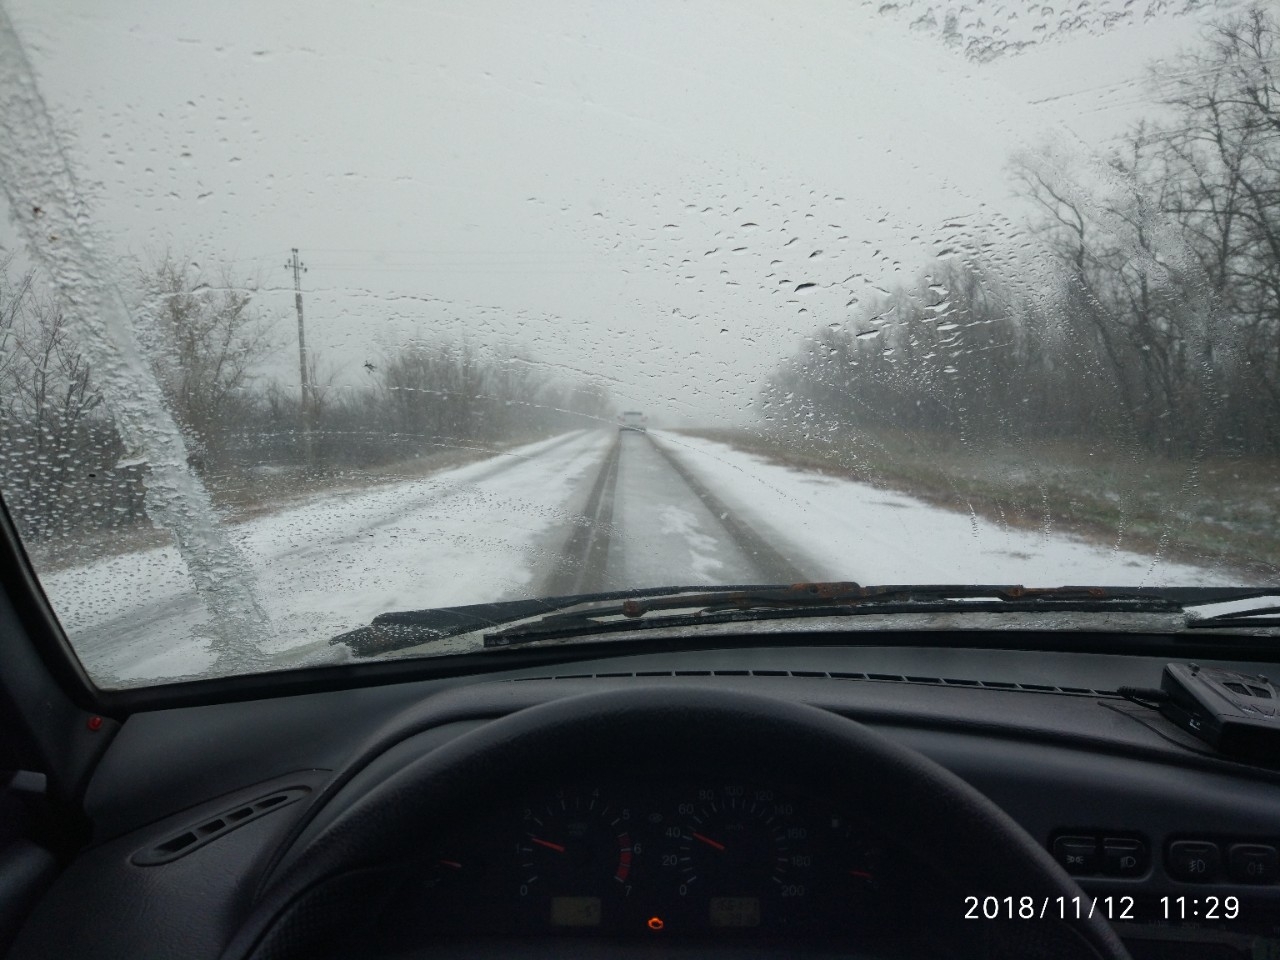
{"x":634,"y":857}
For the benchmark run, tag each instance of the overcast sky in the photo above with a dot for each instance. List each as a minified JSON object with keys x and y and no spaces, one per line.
{"x":628,"y":190}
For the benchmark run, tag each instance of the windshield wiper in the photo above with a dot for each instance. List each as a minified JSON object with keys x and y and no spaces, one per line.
{"x":729,"y":605}
{"x":1265,"y":615}
{"x":404,"y":628}
{"x":518,"y":622}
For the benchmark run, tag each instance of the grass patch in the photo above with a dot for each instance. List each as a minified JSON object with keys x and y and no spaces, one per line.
{"x":1220,"y":511}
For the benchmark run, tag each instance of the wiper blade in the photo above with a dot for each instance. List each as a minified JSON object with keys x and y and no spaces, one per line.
{"x":699,"y":606}
{"x":1257,"y":609}
{"x":528,"y":621}
{"x":396,"y":630}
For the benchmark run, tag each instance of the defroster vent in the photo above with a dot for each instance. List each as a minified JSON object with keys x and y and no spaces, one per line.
{"x":183,"y":841}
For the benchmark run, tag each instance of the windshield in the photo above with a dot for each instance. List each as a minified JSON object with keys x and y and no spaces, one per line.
{"x":311,"y":314}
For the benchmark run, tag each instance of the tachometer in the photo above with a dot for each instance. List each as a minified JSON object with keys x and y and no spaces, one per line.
{"x":576,"y":849}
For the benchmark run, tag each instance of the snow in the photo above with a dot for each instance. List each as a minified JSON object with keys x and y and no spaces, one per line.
{"x":472,"y":534}
{"x":846,"y":530}
{"x":681,"y":526}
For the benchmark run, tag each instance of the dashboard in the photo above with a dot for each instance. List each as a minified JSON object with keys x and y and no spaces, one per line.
{"x":197,"y":809}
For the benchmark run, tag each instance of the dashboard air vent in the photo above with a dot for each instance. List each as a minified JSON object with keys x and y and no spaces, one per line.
{"x":193,"y":837}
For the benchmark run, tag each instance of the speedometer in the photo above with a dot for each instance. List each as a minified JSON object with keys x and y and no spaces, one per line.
{"x":742,"y":849}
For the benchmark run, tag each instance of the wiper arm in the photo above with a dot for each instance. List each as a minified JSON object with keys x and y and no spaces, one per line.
{"x":826,"y":599}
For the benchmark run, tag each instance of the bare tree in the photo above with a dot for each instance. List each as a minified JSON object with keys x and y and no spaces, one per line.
{"x":205,"y":344}
{"x":1175,"y":262}
{"x":56,"y":445}
{"x":1225,"y":156}
{"x":14,"y":296}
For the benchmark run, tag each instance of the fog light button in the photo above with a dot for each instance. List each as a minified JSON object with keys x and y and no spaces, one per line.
{"x":1196,"y":861}
{"x":1252,"y":863}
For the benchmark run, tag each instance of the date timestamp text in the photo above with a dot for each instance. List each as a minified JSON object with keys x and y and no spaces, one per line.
{"x":1117,"y":908}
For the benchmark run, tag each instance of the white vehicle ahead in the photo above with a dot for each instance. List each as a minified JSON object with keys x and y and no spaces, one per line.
{"x":633,"y":420}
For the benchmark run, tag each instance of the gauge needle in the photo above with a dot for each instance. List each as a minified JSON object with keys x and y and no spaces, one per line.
{"x":548,"y":844}
{"x":709,"y":842}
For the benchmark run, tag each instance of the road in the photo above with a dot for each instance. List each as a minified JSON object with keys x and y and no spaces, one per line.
{"x":654,"y":523}
{"x":583,"y":512}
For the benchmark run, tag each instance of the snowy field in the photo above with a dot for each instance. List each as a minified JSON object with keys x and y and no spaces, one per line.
{"x":496,"y":529}
{"x":460,"y":536}
{"x":854,"y":531}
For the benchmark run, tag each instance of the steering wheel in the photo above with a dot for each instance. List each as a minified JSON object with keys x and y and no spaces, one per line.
{"x":320,"y":886}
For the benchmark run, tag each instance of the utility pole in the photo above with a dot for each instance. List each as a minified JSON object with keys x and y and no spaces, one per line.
{"x":299,"y":269}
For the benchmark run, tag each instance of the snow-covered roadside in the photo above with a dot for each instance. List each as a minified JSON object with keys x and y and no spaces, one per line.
{"x":853,"y":531}
{"x":485,"y":531}
{"x":471,"y":534}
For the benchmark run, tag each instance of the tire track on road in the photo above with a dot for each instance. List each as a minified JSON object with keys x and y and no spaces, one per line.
{"x":582,"y":564}
{"x":582,"y":561}
{"x":774,"y":566}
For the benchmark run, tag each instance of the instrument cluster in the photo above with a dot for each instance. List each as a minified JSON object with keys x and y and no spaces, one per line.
{"x":659,"y":860}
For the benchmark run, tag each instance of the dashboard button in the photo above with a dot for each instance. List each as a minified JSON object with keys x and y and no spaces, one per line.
{"x":1079,"y":855}
{"x":1252,"y":863}
{"x":1124,"y":857}
{"x":1196,"y":861}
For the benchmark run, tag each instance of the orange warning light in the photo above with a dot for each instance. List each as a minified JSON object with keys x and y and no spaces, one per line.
{"x":655,"y":923}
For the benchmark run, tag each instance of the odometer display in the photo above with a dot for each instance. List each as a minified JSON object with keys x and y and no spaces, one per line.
{"x":734,"y":912}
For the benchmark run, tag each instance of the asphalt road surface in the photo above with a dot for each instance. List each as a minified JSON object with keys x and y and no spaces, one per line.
{"x":651,"y":522}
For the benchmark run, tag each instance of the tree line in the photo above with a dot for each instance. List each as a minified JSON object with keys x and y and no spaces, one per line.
{"x":1154,"y":319}
{"x":64,"y":468}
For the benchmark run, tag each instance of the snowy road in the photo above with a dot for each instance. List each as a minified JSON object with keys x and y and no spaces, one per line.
{"x":654,"y":523}
{"x":583,"y":512}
